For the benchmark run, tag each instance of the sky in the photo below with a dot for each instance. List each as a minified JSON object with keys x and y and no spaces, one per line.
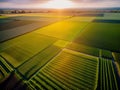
{"x":65,"y":3}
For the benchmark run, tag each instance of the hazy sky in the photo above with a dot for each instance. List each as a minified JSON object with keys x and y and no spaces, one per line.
{"x":39,"y":3}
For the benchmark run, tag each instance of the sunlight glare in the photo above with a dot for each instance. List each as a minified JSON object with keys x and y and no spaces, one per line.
{"x":58,"y":4}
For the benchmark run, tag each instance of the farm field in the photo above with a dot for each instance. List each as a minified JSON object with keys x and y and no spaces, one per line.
{"x":110,"y":16}
{"x":67,"y":73}
{"x":14,"y":24}
{"x":21,"y":47}
{"x":105,"y":38}
{"x":81,"y":19}
{"x":56,"y":30}
{"x":43,"y":51}
{"x":107,"y":78}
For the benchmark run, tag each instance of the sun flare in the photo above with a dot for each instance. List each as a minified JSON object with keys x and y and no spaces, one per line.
{"x":58,"y":4}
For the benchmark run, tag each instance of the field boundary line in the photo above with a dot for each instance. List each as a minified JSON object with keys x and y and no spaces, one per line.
{"x":79,"y":53}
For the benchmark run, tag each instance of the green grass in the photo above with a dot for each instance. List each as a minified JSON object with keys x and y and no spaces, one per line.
{"x":107,"y":76}
{"x":83,"y":49}
{"x":67,"y":71}
{"x":63,"y":30}
{"x":21,"y":48}
{"x":101,"y":35}
{"x":37,"y":61}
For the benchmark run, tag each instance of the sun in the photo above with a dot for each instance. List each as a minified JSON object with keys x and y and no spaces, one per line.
{"x":58,"y":4}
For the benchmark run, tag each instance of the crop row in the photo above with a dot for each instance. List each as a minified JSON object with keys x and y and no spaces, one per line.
{"x":107,"y":76}
{"x":66,"y":71}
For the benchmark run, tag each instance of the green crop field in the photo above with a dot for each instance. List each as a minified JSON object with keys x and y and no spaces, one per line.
{"x":84,"y":49}
{"x":37,"y":61}
{"x":101,"y":35}
{"x":51,"y":51}
{"x":22,"y":46}
{"x":69,"y":32}
{"x":74,"y":72}
{"x":107,"y":77}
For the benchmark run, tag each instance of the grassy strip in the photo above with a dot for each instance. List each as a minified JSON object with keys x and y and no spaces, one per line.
{"x":80,"y":54}
{"x":83,"y":49}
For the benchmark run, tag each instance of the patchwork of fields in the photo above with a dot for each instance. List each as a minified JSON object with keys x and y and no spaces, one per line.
{"x":59,"y":52}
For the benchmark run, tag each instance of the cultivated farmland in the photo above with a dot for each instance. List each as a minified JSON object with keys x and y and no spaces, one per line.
{"x":70,"y":71}
{"x":101,"y":35}
{"x":22,"y":46}
{"x":51,"y":51}
{"x":68,"y":33}
{"x":107,"y":77}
